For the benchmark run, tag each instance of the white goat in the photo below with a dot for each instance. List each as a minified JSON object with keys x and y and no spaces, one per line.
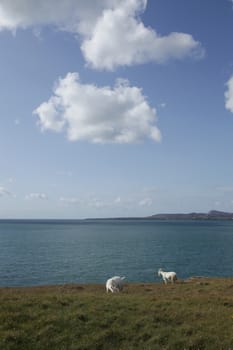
{"x":167,"y":276}
{"x":115,"y":284}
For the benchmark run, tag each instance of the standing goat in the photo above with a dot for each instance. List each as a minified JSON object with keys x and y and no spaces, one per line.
{"x":115,"y":284}
{"x":167,"y":276}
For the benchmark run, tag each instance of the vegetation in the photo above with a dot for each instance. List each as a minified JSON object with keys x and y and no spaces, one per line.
{"x":197,"y":314}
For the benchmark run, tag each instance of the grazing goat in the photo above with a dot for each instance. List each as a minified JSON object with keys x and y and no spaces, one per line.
{"x":115,"y":284}
{"x":167,"y":276}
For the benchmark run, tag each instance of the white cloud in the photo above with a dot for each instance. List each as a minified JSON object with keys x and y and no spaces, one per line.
{"x":69,"y":200}
{"x":111,"y":31}
{"x":5,"y":192}
{"x":71,"y":15}
{"x":98,"y":114}
{"x":145,"y":202}
{"x":120,"y":38}
{"x":117,"y":200}
{"x":163,"y":105}
{"x":97,"y":203}
{"x":229,"y":95}
{"x":92,"y":202}
{"x":42,"y":196}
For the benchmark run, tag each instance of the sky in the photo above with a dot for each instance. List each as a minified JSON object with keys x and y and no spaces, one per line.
{"x":115,"y":107}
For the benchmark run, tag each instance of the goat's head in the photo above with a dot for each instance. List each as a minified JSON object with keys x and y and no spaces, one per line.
{"x":159,"y":272}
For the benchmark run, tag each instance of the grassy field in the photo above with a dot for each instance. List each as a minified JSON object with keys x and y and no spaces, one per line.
{"x":194,"y":315}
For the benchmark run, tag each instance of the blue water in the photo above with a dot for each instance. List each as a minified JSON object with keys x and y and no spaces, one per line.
{"x":39,"y":253}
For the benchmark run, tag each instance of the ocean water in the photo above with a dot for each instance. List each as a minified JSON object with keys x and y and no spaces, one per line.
{"x":57,"y":252}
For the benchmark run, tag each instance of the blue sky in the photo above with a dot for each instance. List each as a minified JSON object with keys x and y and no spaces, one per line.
{"x":121,"y":108}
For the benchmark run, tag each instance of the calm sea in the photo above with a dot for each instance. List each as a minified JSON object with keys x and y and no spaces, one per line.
{"x":57,"y":252}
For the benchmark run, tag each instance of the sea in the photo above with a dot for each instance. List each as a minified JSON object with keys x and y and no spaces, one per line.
{"x":49,"y":252}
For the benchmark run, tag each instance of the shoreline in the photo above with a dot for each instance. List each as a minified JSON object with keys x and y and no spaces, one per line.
{"x":81,"y":286}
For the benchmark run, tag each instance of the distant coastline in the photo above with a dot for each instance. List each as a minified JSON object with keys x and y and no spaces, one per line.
{"x":211,"y":215}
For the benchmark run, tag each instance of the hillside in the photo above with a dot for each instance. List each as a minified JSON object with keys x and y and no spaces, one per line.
{"x":211,"y":215}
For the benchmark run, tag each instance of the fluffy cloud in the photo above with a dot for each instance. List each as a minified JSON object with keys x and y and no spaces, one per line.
{"x":5,"y":192}
{"x":42,"y":196}
{"x":120,"y":38}
{"x":229,"y":95}
{"x":98,"y":114}
{"x":70,"y":15}
{"x":145,"y":202}
{"x":111,"y":31}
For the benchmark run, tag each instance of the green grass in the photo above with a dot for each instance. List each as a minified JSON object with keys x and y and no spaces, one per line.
{"x":195,"y":315}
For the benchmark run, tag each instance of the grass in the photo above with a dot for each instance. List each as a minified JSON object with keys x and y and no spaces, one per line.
{"x":195,"y":315}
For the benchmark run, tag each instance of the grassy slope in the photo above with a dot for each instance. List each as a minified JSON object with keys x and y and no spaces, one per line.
{"x":195,"y":315}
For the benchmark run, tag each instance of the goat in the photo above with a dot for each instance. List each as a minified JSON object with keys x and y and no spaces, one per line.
{"x":167,"y":276}
{"x":115,"y":284}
